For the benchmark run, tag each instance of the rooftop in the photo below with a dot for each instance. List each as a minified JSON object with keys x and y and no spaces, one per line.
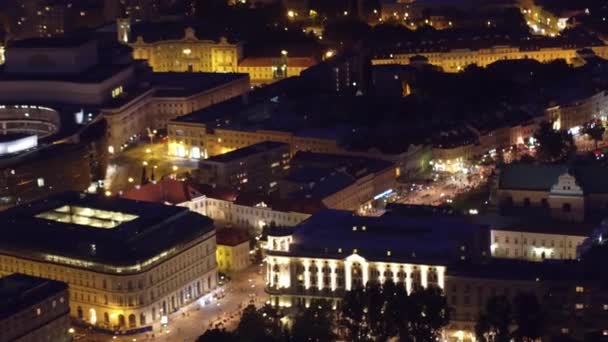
{"x":541,"y":177}
{"x":231,"y":237}
{"x":164,"y":191}
{"x":338,"y":234}
{"x":247,"y":151}
{"x":19,"y":292}
{"x":178,"y":84}
{"x":93,"y":228}
{"x":49,"y":43}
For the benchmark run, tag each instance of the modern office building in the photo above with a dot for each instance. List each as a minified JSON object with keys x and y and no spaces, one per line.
{"x":256,"y":168}
{"x":34,"y":309}
{"x":127,"y":263}
{"x":334,"y":251}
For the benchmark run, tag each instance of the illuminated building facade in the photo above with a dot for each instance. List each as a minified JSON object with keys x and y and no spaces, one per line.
{"x":226,"y":206}
{"x":188,"y":54}
{"x":575,"y":113}
{"x":263,"y":70}
{"x":535,"y":245}
{"x":127,"y":263}
{"x":257,"y":167}
{"x":34,"y":309}
{"x":335,"y":251}
{"x":456,"y":60}
{"x":232,"y":250}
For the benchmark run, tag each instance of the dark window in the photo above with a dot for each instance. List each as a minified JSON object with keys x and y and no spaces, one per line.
{"x":566,"y":207}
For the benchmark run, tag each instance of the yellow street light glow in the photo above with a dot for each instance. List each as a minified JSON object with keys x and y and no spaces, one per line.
{"x":291,"y":13}
{"x":108,"y":193}
{"x":329,"y":54}
{"x":284,"y":52}
{"x":174,"y":168}
{"x":130,"y":179}
{"x":187,"y":51}
{"x":148,"y":150}
{"x":144,"y":163}
{"x":71,"y":330}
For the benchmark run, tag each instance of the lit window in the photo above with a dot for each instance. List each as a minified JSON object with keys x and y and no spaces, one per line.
{"x":605,"y":307}
{"x":38,"y":311}
{"x":40,"y":182}
{"x":579,"y":306}
{"x":580,"y":289}
{"x":565,"y":330}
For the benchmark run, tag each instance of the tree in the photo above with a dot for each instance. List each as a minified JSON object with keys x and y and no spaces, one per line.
{"x":259,"y":325}
{"x":595,"y":130}
{"x":429,"y":313}
{"x":316,"y":323}
{"x":528,"y":316}
{"x":553,"y":145}
{"x":493,"y":324}
{"x":217,"y":335}
{"x":381,"y":312}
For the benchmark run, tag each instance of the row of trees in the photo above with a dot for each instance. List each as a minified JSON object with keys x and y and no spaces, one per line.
{"x":374,"y":313}
{"x":520,"y":319}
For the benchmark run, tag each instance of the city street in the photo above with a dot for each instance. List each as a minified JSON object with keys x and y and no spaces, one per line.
{"x":125,"y":168}
{"x":443,"y":187}
{"x":192,"y":321}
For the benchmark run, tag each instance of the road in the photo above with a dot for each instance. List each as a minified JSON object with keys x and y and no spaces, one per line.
{"x":192,"y":321}
{"x":126,"y":168}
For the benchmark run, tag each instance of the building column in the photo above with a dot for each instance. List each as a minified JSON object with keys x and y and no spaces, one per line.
{"x":424,"y":273}
{"x":306,"y":264}
{"x":270,"y":272}
{"x":365,"y":267}
{"x":441,"y":276}
{"x":408,"y":278}
{"x":381,"y":269}
{"x":333,"y":276}
{"x":395,"y":271}
{"x":348,"y":277}
{"x":319,"y":274}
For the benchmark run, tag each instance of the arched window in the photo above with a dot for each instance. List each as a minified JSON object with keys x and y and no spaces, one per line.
{"x":142,"y":319}
{"x":132,"y":321}
{"x":121,"y":321}
{"x":79,"y":313}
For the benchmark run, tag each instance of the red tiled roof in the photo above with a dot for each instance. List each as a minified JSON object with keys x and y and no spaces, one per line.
{"x":164,"y":191}
{"x":231,"y":236}
{"x":298,"y":62}
{"x":223,"y":193}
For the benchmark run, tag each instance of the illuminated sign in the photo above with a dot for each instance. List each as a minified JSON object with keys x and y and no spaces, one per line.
{"x":383,"y":194}
{"x":18,"y":144}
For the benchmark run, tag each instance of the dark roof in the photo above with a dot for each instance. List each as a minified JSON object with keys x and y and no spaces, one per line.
{"x":324,"y":174}
{"x":231,"y":236}
{"x":541,"y":177}
{"x":178,"y":84}
{"x":54,"y":42}
{"x":247,"y":151}
{"x":157,"y":228}
{"x":159,"y":31}
{"x":542,"y":224}
{"x":19,"y":292}
{"x":94,"y":74}
{"x":408,"y":239}
{"x":514,"y":269}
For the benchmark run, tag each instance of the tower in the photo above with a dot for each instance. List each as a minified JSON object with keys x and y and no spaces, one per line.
{"x":123,"y":29}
